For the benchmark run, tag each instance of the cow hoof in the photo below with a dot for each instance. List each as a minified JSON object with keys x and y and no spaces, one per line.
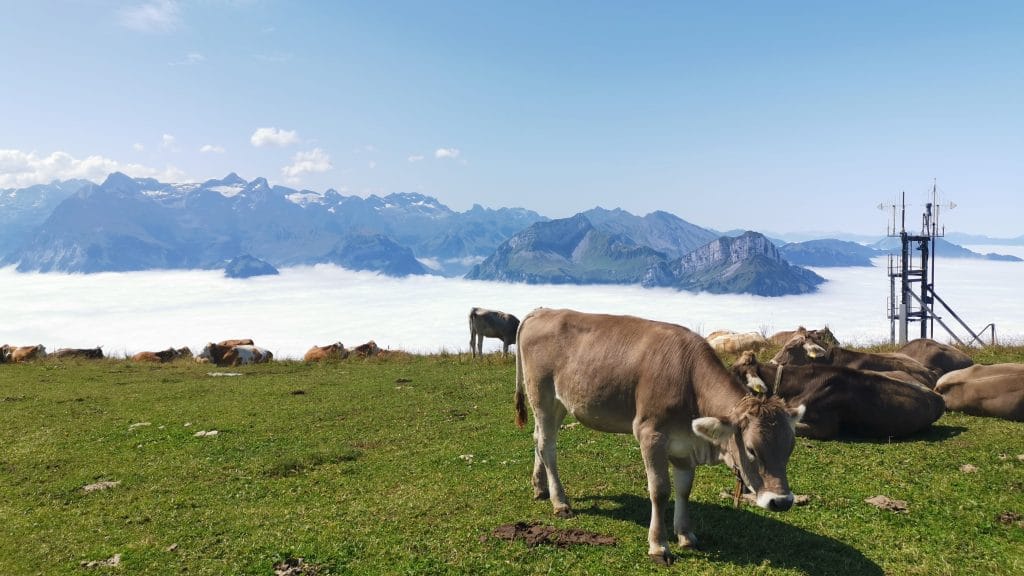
{"x":665,"y":559}
{"x":688,"y":542}
{"x":565,"y":513}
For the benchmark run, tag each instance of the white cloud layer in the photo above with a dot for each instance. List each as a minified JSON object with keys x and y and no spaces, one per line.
{"x":20,"y":169}
{"x":315,"y":160}
{"x":415,"y":158}
{"x":160,"y":16}
{"x":316,"y":305}
{"x":446,"y":153}
{"x":211,"y":149}
{"x":273,"y":137}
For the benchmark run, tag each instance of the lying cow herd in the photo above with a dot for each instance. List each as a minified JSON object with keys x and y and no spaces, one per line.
{"x":224,"y":353}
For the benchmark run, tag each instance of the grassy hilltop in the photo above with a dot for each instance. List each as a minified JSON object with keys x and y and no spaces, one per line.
{"x":406,"y":465}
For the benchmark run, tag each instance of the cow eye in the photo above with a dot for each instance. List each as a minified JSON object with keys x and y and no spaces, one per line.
{"x":751,"y":455}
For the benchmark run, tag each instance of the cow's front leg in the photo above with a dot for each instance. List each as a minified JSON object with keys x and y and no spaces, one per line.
{"x":683,"y":480}
{"x":654,"y":448}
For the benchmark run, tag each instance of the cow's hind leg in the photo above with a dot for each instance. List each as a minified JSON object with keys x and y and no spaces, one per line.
{"x":682,"y":477}
{"x":546,"y":483}
{"x":654,"y":449}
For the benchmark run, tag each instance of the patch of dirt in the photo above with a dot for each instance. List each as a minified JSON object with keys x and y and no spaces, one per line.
{"x":402,"y":380}
{"x":968,"y":468}
{"x":535,"y":534}
{"x":297,"y":392}
{"x":297,"y":567}
{"x":886,"y":503}
{"x":1010,"y":519}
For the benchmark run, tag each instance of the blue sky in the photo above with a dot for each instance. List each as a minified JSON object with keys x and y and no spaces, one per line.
{"x":776,"y":116}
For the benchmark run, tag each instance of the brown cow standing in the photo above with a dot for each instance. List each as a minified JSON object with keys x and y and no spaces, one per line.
{"x":236,"y":342}
{"x":334,"y":351}
{"x":665,"y":385}
{"x":802,"y":350}
{"x":939,"y":357}
{"x":995,"y":390}
{"x":841,"y":399}
{"x":492,"y":324}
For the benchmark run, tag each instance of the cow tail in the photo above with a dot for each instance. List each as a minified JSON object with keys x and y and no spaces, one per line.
{"x":520,"y":396}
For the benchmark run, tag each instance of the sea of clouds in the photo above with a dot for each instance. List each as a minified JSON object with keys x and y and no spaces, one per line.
{"x":136,"y":311}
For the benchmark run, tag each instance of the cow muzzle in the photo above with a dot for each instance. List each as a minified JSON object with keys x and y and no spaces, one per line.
{"x":775,"y":502}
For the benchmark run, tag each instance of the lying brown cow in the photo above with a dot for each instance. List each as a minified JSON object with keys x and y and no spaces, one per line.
{"x":802,"y":350}
{"x":84,"y":353}
{"x":162,"y":356}
{"x":822,"y":335}
{"x":492,"y":324}
{"x":666,"y":386}
{"x":234,"y":355}
{"x":24,"y":353}
{"x":334,"y":351}
{"x":939,"y":357}
{"x":995,"y":390}
{"x":366,"y":350}
{"x":844,"y":400}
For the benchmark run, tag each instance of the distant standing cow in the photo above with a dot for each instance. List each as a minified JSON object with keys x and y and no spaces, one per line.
{"x":492,"y":324}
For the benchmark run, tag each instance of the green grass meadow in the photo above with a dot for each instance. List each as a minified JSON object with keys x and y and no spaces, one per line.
{"x":405,"y":465}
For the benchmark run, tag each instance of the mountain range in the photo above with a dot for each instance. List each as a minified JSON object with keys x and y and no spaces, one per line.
{"x":251,"y":227}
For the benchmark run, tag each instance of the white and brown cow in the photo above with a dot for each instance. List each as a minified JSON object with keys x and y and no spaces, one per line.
{"x":334,"y":351}
{"x":23,"y":353}
{"x":492,"y":324}
{"x":666,"y":386}
{"x":234,"y":355}
{"x":729,"y":342}
{"x":995,"y":390}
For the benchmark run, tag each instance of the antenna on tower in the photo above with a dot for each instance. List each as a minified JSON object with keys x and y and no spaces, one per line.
{"x":916,"y":299}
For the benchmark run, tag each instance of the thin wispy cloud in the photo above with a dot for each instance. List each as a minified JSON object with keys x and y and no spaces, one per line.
{"x":211,"y":149}
{"x":160,"y":16}
{"x":167,"y":142}
{"x":273,"y":137}
{"x":19,"y":169}
{"x":451,"y":153}
{"x":275,"y":58}
{"x":189,"y":59}
{"x":138,"y":147}
{"x":311,"y":161}
{"x":416,"y":158}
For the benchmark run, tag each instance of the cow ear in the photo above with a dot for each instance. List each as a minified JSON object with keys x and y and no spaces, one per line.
{"x":797,"y":414}
{"x":712,"y":429}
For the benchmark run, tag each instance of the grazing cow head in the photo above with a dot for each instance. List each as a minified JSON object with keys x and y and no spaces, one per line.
{"x":756,"y":442}
{"x":801,"y":349}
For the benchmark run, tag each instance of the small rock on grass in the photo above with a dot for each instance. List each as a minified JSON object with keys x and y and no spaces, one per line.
{"x":97,"y":486}
{"x":203,"y":433}
{"x":114,"y":560}
{"x":968,"y":468}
